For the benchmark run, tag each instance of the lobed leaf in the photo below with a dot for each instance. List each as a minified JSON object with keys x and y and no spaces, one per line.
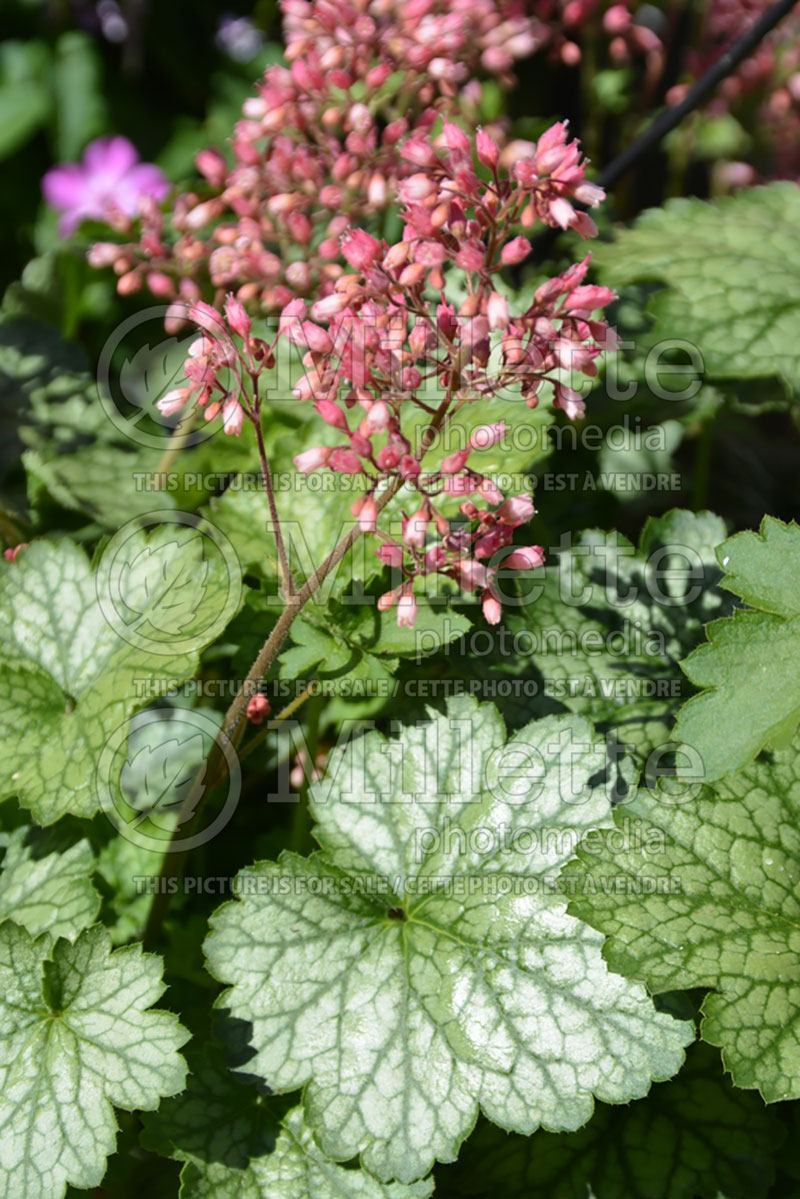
{"x":749,"y":668}
{"x":423,"y":964}
{"x":716,"y":905}
{"x":85,"y":648}
{"x":75,"y":1038}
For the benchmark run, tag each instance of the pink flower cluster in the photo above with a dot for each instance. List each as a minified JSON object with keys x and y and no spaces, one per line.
{"x":218,"y":367}
{"x":316,"y":149}
{"x":377,"y":345}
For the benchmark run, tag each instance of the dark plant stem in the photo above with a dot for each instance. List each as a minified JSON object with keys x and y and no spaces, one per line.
{"x":671,"y":117}
{"x":698,"y":92}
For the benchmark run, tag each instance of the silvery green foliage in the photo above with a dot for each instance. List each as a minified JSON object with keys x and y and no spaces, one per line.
{"x":423,"y":963}
{"x":75,"y":1038}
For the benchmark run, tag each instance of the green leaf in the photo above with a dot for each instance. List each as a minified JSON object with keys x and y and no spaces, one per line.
{"x":80,"y":109}
{"x":25,"y":99}
{"x":607,"y":626}
{"x":239,"y":1144}
{"x":76,"y":1037}
{"x":423,"y":964}
{"x":314,"y":513}
{"x":690,"y":1139}
{"x":61,"y":426}
{"x":359,"y":641}
{"x":84,"y":649}
{"x":45,"y":882}
{"x":733,"y":273}
{"x":66,"y":441}
{"x":712,"y":903}
{"x":749,"y":668}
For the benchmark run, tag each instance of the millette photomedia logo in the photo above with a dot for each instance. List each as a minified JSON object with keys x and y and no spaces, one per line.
{"x":154,"y":773}
{"x":140,"y":363}
{"x":173,"y":589}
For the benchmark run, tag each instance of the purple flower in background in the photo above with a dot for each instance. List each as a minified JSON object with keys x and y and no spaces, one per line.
{"x":110,"y":177}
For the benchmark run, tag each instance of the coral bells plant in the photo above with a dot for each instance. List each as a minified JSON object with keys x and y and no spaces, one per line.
{"x":424,"y":317}
{"x":317,"y":148}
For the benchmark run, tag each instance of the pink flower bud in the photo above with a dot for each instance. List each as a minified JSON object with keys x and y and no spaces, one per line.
{"x":368,"y":515}
{"x":232,"y":416}
{"x":388,"y":457}
{"x":562,"y":212}
{"x":316,"y":339}
{"x":588,"y":298}
{"x":617,"y":19}
{"x":390,"y":555}
{"x":406,"y":609}
{"x":491,"y":542}
{"x":173,"y":401}
{"x":307,"y":386}
{"x":361,"y":445}
{"x":103,"y":254}
{"x":388,"y":599}
{"x":526,"y":557}
{"x":160,"y":285}
{"x":455,"y":462}
{"x":497,"y":311}
{"x":313,"y":459}
{"x":415,"y":527}
{"x":455,"y":138}
{"x":360,"y":249}
{"x":514,"y":251}
{"x":129,"y":283}
{"x":394,"y":131}
{"x":345,"y":461}
{"x":237,"y":317}
{"x":300,"y":227}
{"x":589,"y":193}
{"x":420,"y":339}
{"x":327,"y":307}
{"x":471,"y":256}
{"x":570,"y":401}
{"x":471,"y":574}
{"x":487,"y":435}
{"x":332,"y":414}
{"x":409,"y":467}
{"x":378,"y":417}
{"x":488,"y":152}
{"x":516,"y":510}
{"x":212,"y":166}
{"x":416,"y":188}
{"x":257,"y":708}
{"x":206,"y":317}
{"x":489,"y":491}
{"x":420,"y":153}
{"x":377,"y":191}
{"x":492,"y":608}
{"x":412,"y":274}
{"x":203,"y":213}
